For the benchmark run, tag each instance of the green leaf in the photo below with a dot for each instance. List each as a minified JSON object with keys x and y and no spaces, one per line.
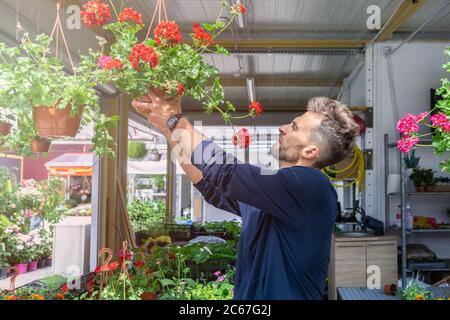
{"x":167,"y":282}
{"x":222,"y":50}
{"x":209,"y":27}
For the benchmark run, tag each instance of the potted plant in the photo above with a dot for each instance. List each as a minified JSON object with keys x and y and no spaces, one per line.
{"x":145,"y":279}
{"x":40,"y":145}
{"x":417,"y":176}
{"x":5,"y":123}
{"x":154,"y":155}
{"x":428,"y":179}
{"x":164,"y":62}
{"x":137,"y":150}
{"x":36,"y":85}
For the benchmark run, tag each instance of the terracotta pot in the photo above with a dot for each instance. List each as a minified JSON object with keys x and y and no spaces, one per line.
{"x":40,"y":145}
{"x":5,"y":128}
{"x":420,"y":189}
{"x":149,"y":296}
{"x":53,"y":122}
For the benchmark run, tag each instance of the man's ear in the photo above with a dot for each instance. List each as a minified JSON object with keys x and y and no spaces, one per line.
{"x":310,"y":152}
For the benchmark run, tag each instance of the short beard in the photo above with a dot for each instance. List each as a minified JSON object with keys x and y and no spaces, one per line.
{"x":282,"y":156}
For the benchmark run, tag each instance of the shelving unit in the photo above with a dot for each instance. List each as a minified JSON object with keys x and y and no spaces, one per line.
{"x":403,"y":196}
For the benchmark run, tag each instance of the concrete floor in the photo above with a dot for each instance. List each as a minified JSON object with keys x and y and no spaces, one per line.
{"x":26,"y":278}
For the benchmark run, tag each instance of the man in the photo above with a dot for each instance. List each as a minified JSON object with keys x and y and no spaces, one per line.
{"x":288,"y":216}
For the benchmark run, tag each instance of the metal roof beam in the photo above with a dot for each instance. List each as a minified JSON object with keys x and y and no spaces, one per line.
{"x":401,"y":14}
{"x":283,"y":82}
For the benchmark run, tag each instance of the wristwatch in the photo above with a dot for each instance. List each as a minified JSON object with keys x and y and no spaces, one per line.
{"x":173,"y":121}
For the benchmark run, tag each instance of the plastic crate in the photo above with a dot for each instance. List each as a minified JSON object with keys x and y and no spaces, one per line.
{"x":207,"y":269}
{"x":179,"y":232}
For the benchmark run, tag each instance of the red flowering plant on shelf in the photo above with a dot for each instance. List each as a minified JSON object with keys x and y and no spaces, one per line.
{"x":164,"y":62}
{"x":437,"y":119}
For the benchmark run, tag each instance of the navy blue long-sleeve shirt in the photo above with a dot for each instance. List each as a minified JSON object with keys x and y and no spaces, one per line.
{"x":287,"y":222}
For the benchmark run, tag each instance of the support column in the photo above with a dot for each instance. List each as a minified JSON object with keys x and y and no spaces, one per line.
{"x":171,"y":186}
{"x":111,"y":229}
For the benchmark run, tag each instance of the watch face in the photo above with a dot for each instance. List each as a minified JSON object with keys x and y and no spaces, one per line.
{"x":172,"y":122}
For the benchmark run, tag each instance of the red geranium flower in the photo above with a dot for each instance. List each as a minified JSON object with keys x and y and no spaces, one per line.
{"x":142,"y":52}
{"x":113,"y":266}
{"x":242,"y":139}
{"x":108,"y":63}
{"x":90,"y":284}
{"x":95,"y":13}
{"x":65,"y":288}
{"x":180,"y":89}
{"x":168,"y":30}
{"x":201,"y":36}
{"x":129,"y":14}
{"x":255,"y":105}
{"x":242,"y":8}
{"x":139,"y":264}
{"x":98,"y":269}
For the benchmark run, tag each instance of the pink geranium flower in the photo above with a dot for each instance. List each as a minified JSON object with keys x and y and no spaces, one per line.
{"x":408,"y":124}
{"x":405,"y":144}
{"x":440,"y":120}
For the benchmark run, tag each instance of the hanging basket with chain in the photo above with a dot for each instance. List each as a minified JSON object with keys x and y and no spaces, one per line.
{"x":163,"y":63}
{"x":49,"y":102}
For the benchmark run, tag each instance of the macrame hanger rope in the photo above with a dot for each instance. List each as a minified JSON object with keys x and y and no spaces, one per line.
{"x":59,"y":29}
{"x":165,"y":12}
{"x":160,"y":6}
{"x":19,"y":27}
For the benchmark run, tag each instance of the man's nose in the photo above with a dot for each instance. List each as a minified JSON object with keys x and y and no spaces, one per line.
{"x":282,"y":130}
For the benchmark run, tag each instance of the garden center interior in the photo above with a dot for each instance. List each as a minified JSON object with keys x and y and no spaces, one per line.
{"x":66,"y":204}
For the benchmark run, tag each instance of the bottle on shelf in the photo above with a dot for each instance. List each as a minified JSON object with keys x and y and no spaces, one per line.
{"x":399,"y":216}
{"x":409,"y":217}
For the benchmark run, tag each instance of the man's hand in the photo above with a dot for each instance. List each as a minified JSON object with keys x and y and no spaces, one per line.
{"x":158,"y":108}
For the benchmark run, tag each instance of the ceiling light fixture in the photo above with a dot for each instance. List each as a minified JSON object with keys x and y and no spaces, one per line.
{"x":251,"y":89}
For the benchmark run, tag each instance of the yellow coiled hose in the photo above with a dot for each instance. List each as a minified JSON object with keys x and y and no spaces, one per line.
{"x":356,"y":163}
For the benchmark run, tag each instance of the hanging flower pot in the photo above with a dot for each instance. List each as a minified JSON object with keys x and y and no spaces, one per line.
{"x":154,"y":155}
{"x":46,"y":100}
{"x":54,"y":122}
{"x":40,"y":145}
{"x":5,"y":128}
{"x":162,"y":63}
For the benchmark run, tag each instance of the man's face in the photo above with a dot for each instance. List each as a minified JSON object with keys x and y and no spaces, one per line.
{"x":295,"y":139}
